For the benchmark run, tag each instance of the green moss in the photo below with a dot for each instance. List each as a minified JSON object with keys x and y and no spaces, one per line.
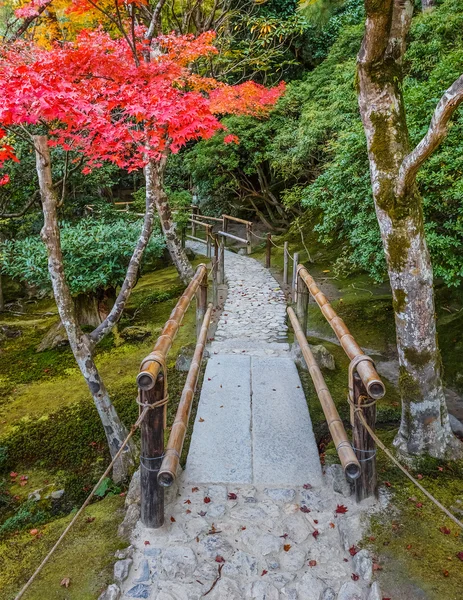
{"x":399,"y":300}
{"x":85,"y":557}
{"x":416,"y":358}
{"x":398,"y":244}
{"x":409,"y":386}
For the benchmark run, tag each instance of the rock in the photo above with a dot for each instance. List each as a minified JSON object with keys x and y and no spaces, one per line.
{"x":262,"y":590}
{"x":143,"y":572}
{"x":217,"y":493}
{"x":338,"y":480}
{"x":273,"y":565}
{"x":216,"y":511}
{"x":178,"y":561}
{"x":121,"y":569}
{"x":111,"y":593}
{"x":55,"y":337}
{"x":362,"y":564}
{"x":296,"y":527}
{"x":134,"y":491}
{"x":57,"y":495}
{"x":226,"y":589}
{"x":293,"y":560}
{"x":241,"y":564}
{"x":214,"y":545}
{"x":280,"y":580}
{"x":312,"y":500}
{"x":132,"y":515}
{"x":184,"y":358}
{"x":242,"y":252}
{"x":35,"y":496}
{"x":7,"y":332}
{"x":169,"y":590}
{"x":350,"y":591}
{"x":375,"y":592}
{"x":324,"y":358}
{"x":289,"y":594}
{"x":135,"y":333}
{"x":328,"y":594}
{"x":456,"y":425}
{"x":269,"y":544}
{"x":139,"y":591}
{"x":310,"y":587}
{"x":191,"y":254}
{"x":249,"y":514}
{"x":280,"y":494}
{"x":349,"y":530}
{"x":124,"y":553}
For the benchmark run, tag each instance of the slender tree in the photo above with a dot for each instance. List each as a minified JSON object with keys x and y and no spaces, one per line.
{"x":393,"y":167}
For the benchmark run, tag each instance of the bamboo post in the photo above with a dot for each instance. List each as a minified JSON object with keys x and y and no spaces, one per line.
{"x":302,"y":303}
{"x":249,"y":237}
{"x":201,"y":304}
{"x":285,"y":263}
{"x":225,"y":227}
{"x":294,"y":280}
{"x":222,"y":262}
{"x":364,"y":445}
{"x":268,"y":251}
{"x":151,"y":451}
{"x":215,"y":274}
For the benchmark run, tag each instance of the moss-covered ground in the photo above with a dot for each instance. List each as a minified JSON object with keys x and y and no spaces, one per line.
{"x":51,"y":438}
{"x":416,"y":546}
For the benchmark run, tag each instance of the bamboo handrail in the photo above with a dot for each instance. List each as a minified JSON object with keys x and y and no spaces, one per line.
{"x":199,"y":223}
{"x":168,"y":471}
{"x":151,"y":365}
{"x":365,"y":368}
{"x":349,"y":461}
{"x":207,"y":218}
{"x":237,"y":219}
{"x":233,"y":237}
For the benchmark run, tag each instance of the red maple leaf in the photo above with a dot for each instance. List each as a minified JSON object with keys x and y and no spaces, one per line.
{"x":206,"y":499}
{"x":312,"y":563}
{"x":341,"y":509}
{"x":445,"y":530}
{"x":355,"y":577}
{"x":304,"y":509}
{"x":219,"y":559}
{"x":232,"y":496}
{"x":353,"y":550}
{"x":316,"y":533}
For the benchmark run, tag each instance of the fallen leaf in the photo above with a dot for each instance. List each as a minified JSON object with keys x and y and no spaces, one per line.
{"x":445,"y":573}
{"x":419,"y":476}
{"x":89,"y":519}
{"x":13,"y":475}
{"x":232,"y":496}
{"x":345,"y":559}
{"x":419,"y":505}
{"x":147,"y":543}
{"x":188,"y":501}
{"x":206,"y":499}
{"x":172,"y":520}
{"x":66,"y":582}
{"x":460,"y":555}
{"x":353,"y":550}
{"x":445,"y":530}
{"x":287,"y":547}
{"x":316,"y":533}
{"x":188,"y":511}
{"x":387,"y":483}
{"x":219,"y":559}
{"x":355,"y":577}
{"x":202,"y":513}
{"x":264,"y":572}
{"x":315,"y":521}
{"x":372,"y":538}
{"x":341,"y":509}
{"x":34,"y":531}
{"x":312,"y":563}
{"x":195,"y":489}
{"x":332,"y":525}
{"x":284,"y":536}
{"x":440,"y":469}
{"x":377,"y":567}
{"x":201,"y":420}
{"x":243,"y":528}
{"x":304,"y":509}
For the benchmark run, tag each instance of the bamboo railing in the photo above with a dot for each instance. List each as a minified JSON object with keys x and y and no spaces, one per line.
{"x":365,"y":385}
{"x":197,"y":219}
{"x":153,"y":392}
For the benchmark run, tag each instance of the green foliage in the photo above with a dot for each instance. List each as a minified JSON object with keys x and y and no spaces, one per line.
{"x":28,"y":514}
{"x":96,"y":255}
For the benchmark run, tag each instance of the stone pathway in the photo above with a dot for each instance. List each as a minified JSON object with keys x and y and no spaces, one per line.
{"x":253,"y":517}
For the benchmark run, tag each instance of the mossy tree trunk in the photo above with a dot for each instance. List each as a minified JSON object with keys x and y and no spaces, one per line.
{"x":155,"y":193}
{"x":424,"y":427}
{"x":82,"y":344}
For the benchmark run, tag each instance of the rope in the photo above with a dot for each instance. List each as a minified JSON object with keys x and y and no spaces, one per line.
{"x":144,"y":408}
{"x":85,"y":504}
{"x":404,"y":470}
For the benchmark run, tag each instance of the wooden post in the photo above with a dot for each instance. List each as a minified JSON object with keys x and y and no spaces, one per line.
{"x":364,"y":446}
{"x":285,"y":263}
{"x":208,"y":241}
{"x":201,"y":304}
{"x":194,"y":212}
{"x":302,"y":304}
{"x":151,"y":451}
{"x":268,"y":251}
{"x":249,"y":237}
{"x":215,"y":274}
{"x":222,"y":262}
{"x":225,"y":228}
{"x":294,"y":280}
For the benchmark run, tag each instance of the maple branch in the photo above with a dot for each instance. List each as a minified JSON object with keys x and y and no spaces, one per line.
{"x":28,"y":21}
{"x":130,"y":277}
{"x":23,"y":211}
{"x":437,"y":131}
{"x":154,"y":24}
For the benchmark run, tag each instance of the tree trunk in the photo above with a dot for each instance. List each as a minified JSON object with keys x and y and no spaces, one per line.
{"x":80,"y":343}
{"x":154,"y":175}
{"x":2,"y":300}
{"x":425,"y":425}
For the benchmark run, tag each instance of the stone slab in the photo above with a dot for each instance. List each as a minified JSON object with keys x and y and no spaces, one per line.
{"x":284,"y":448}
{"x":220,"y":449}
